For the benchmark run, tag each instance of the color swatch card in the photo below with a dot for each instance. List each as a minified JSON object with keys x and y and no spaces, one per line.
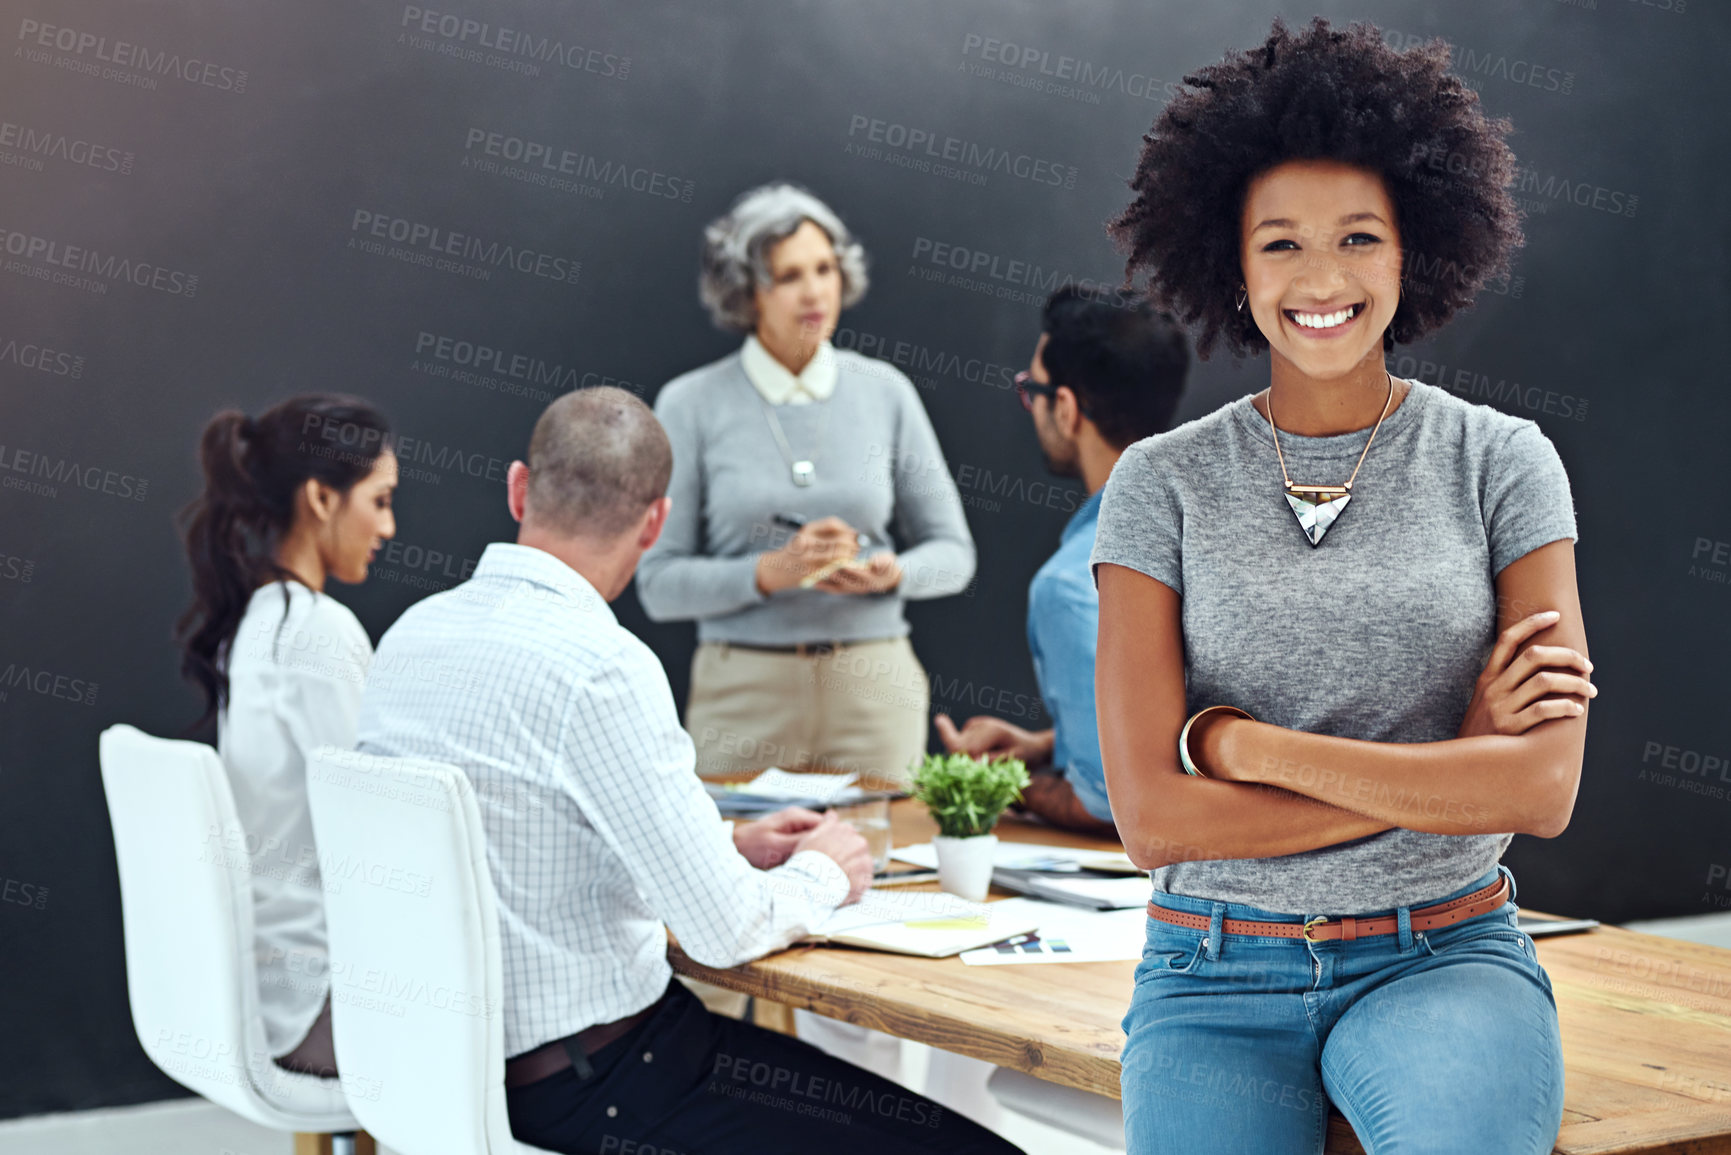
{"x":1066,"y":934}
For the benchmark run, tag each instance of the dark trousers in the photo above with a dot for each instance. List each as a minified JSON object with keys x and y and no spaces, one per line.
{"x":688,"y":1082}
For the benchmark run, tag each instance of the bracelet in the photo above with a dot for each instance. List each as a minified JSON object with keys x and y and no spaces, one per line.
{"x":1184,"y":738}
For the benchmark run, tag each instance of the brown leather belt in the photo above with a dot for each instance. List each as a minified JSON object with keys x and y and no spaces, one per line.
{"x":551,"y":1058}
{"x":1460,"y":909}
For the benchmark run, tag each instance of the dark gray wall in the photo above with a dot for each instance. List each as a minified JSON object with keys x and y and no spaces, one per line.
{"x":235,"y":144}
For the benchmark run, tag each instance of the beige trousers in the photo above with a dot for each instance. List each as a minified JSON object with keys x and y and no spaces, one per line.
{"x":863,"y":706}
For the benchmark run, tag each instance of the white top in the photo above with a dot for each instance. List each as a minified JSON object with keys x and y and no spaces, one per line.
{"x":777,"y":385}
{"x":600,"y":836}
{"x":294,"y":684}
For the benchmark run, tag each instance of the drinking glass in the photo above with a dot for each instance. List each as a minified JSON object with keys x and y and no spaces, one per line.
{"x":871,"y":818}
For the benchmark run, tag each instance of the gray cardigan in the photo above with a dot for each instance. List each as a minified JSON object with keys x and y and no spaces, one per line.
{"x":878,"y":467}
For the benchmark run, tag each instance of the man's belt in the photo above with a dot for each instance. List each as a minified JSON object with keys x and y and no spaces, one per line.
{"x":551,"y":1058}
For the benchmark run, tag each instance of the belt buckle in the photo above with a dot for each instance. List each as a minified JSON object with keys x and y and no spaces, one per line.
{"x":1313,"y":922}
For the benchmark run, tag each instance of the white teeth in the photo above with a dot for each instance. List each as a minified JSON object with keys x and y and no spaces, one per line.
{"x":1324,"y":320}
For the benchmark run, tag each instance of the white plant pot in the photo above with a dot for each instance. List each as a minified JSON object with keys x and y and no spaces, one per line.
{"x":965,"y":865}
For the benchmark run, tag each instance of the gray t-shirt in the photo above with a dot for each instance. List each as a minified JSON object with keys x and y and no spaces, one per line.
{"x":1378,"y":633}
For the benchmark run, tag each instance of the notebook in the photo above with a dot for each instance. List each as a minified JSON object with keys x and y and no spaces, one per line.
{"x":923,"y":923}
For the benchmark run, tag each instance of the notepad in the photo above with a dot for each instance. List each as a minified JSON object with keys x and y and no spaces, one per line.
{"x":931,"y":925}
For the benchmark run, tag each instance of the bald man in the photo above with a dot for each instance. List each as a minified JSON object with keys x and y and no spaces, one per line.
{"x":600,"y":836}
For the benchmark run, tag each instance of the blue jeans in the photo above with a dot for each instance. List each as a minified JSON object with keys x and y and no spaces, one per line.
{"x":1439,"y":1041}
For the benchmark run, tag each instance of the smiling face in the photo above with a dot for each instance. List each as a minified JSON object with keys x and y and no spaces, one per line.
{"x":1321,"y":255}
{"x":360,"y":523}
{"x":799,"y":307}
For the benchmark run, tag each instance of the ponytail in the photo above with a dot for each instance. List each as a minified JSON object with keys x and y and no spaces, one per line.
{"x":234,"y":527}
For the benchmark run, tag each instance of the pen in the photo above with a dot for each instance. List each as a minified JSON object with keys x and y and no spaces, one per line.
{"x":796,"y":521}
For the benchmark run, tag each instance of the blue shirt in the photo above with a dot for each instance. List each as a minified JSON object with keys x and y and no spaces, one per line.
{"x":1063,"y":620}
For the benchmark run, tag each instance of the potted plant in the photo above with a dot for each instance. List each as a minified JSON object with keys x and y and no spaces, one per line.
{"x":966,"y":795}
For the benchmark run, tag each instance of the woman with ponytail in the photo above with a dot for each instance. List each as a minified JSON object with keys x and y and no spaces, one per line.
{"x":298,"y":495}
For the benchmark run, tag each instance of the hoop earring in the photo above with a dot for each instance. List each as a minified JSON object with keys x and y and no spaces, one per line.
{"x":1243,"y":295}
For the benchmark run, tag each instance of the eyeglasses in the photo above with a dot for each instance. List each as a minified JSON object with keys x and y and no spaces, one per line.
{"x":1027,"y":389}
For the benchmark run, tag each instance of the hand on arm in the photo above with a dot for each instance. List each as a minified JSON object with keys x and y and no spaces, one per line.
{"x":1523,"y":685}
{"x":1163,"y":815}
{"x":1517,"y":765}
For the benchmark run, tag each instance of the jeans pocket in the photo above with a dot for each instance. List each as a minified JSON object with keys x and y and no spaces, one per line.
{"x":1494,"y":931}
{"x":1172,"y":954}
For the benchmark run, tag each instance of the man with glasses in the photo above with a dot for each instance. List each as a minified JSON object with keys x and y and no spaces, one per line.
{"x":1104,"y":374}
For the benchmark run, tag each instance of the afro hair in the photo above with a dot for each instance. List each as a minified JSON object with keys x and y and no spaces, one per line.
{"x":1322,"y":94}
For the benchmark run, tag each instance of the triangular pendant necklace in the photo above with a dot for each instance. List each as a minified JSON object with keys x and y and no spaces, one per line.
{"x":1318,"y":507}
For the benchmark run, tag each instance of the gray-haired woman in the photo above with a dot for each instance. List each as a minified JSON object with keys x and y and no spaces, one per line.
{"x":798,"y":471}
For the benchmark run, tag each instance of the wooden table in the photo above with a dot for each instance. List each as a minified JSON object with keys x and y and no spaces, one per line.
{"x":1646,"y":1021}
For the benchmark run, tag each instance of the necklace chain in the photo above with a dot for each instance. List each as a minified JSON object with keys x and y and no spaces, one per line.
{"x":1284,"y":476}
{"x":781,"y":437}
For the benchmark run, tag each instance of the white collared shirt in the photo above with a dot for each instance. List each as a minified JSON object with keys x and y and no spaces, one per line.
{"x":776,"y":385}
{"x":295,"y":671}
{"x":600,"y":836}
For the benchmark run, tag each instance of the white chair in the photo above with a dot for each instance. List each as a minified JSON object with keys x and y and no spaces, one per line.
{"x":1096,"y":1118}
{"x":414,"y":941}
{"x":186,"y":910}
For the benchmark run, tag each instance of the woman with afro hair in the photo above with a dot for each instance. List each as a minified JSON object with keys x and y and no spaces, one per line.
{"x":1341,"y":653}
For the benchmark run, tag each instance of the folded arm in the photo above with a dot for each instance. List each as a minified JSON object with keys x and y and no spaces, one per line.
{"x":1164,"y":815}
{"x":1493,"y":783}
{"x":1272,"y":791}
